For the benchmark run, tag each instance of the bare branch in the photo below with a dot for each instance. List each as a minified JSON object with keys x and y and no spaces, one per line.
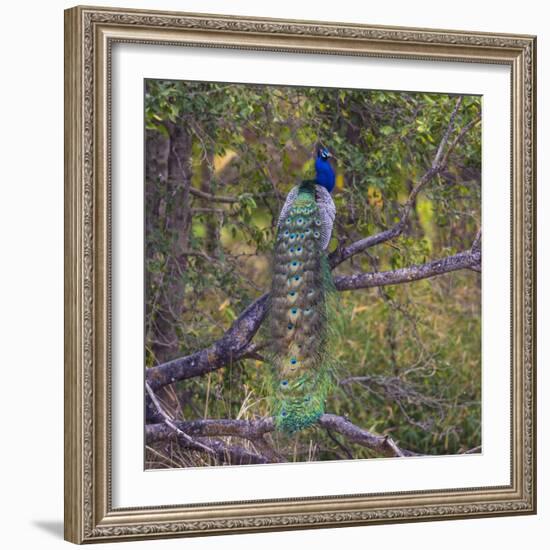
{"x":459,"y":137}
{"x":476,"y":245}
{"x":218,"y":449}
{"x":245,"y":429}
{"x":226,"y":199}
{"x":207,"y":210}
{"x":233,"y":345}
{"x":340,"y":255}
{"x":462,"y":260}
{"x":447,"y":134}
{"x":213,"y":198}
{"x":255,"y":430}
{"x":170,"y":422}
{"x":379,"y":443}
{"x":229,"y":454}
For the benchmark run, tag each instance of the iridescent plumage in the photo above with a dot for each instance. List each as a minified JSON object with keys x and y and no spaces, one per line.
{"x":302,"y":293}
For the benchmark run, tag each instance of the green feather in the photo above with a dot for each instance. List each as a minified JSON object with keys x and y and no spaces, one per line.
{"x":302,"y":298}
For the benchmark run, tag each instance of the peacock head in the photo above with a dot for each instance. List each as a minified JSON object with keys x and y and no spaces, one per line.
{"x":323,"y":153}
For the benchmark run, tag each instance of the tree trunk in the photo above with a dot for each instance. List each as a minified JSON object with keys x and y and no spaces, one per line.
{"x":177,"y":221}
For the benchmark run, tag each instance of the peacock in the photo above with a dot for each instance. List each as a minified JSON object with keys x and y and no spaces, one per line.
{"x":302,"y":297}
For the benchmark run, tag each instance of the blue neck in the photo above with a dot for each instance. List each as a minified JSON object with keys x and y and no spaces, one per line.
{"x":324,"y":174}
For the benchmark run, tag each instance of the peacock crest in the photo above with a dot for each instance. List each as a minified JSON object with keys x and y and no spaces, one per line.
{"x":302,"y":297}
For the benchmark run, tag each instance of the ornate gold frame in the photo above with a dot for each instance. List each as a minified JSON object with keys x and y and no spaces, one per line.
{"x":89,"y":34}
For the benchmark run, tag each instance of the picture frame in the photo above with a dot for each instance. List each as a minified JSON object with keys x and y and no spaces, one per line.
{"x":90,"y":36}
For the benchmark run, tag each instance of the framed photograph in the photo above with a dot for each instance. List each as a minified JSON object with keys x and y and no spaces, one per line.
{"x":300,"y":274}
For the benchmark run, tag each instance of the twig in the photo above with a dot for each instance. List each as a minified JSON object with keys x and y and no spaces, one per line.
{"x":213,"y":198}
{"x":226,"y":199}
{"x":348,"y":453}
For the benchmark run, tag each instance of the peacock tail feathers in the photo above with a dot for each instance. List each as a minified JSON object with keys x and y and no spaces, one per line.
{"x":302,"y":297}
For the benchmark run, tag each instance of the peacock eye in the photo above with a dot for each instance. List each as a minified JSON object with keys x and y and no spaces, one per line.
{"x":294,"y":311}
{"x":290,"y":326}
{"x":284,"y":383}
{"x":293,"y":361}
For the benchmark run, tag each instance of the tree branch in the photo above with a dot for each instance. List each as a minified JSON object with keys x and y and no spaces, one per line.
{"x":230,"y":454}
{"x":170,"y":422}
{"x":245,"y":429}
{"x":232,"y":346}
{"x":382,"y":444}
{"x":213,"y":198}
{"x":222,"y":198}
{"x":255,"y":430}
{"x":222,"y":452}
{"x":462,"y":260}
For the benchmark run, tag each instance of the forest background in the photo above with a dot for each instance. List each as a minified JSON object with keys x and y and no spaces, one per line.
{"x":405,"y":252}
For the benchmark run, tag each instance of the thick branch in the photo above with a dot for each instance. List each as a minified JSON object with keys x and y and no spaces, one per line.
{"x":245,"y":429}
{"x":231,"y":454}
{"x":378,"y":443}
{"x":234,"y":345}
{"x":255,"y":430}
{"x":218,"y":449}
{"x":170,"y":422}
{"x":462,"y":260}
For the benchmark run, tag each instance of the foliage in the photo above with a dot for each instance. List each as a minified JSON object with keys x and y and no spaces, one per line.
{"x":220,"y":160}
